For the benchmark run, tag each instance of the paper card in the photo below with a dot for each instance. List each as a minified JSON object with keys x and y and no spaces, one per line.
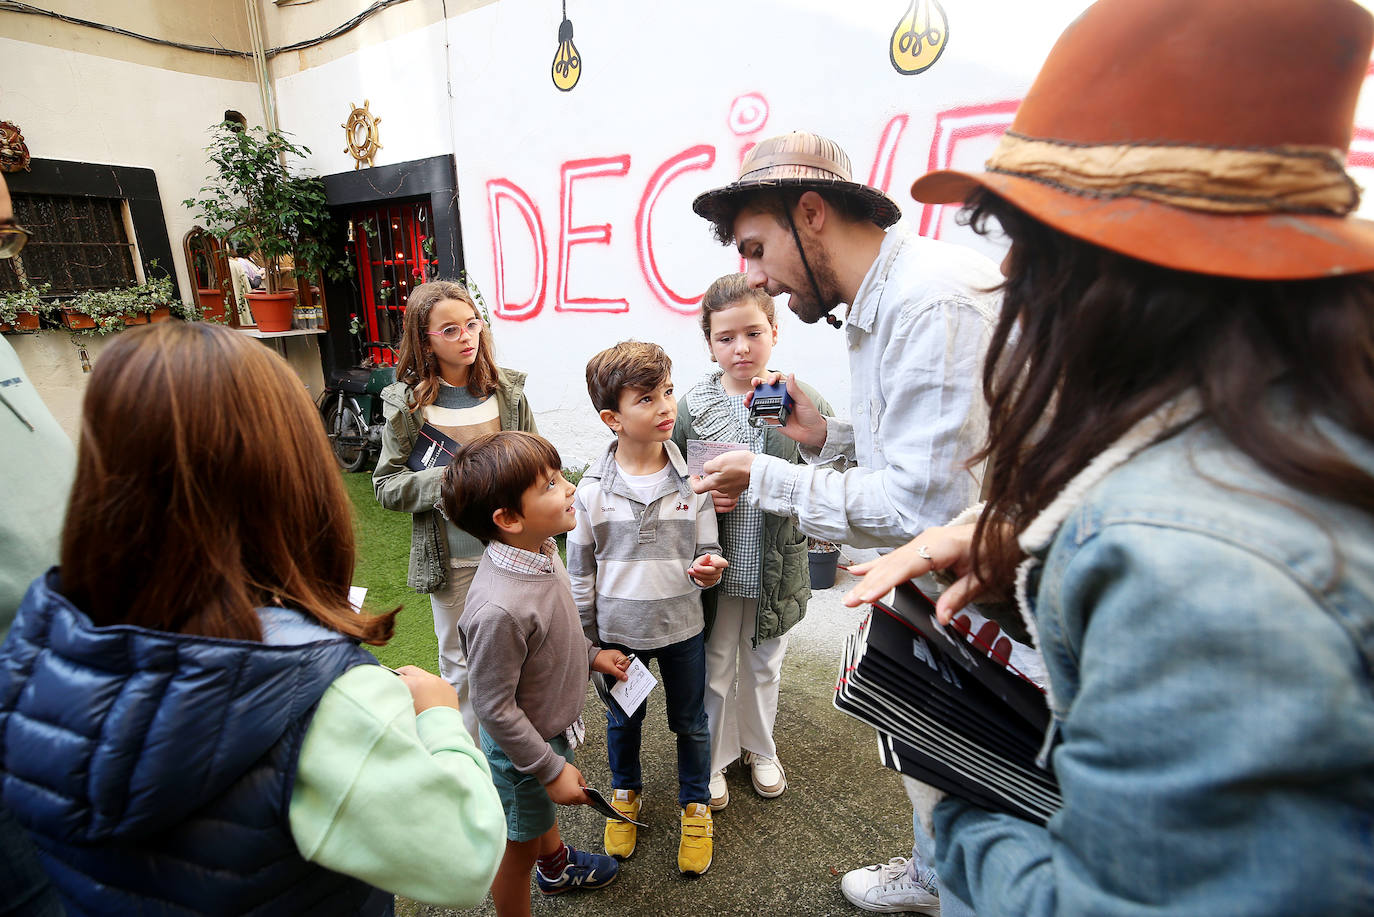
{"x":701,"y":451}
{"x":629,"y":694}
{"x":356,"y":594}
{"x":601,"y":805}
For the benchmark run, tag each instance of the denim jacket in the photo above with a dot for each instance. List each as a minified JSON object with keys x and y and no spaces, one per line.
{"x":1209,"y":636}
{"x":397,"y":487}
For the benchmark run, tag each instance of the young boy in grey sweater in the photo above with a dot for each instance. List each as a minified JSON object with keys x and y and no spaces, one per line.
{"x":644,"y":547}
{"x":528,"y":660}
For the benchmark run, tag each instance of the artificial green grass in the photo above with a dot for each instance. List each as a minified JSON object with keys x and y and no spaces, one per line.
{"x":383,"y":539}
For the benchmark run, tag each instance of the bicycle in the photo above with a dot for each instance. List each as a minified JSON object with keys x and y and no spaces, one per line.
{"x":351,"y":406}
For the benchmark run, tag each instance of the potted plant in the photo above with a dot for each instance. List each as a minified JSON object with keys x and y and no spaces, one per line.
{"x":823,"y":557}
{"x":21,"y":309}
{"x":255,"y":203}
{"x":103,"y":311}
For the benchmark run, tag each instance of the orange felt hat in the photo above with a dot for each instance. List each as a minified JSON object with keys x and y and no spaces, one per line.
{"x":1201,"y":135}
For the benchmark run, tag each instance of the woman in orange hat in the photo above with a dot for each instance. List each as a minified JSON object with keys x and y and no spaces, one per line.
{"x":1181,"y":477}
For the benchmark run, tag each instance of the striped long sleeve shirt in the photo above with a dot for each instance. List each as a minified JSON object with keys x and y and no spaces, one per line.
{"x":628,"y":560}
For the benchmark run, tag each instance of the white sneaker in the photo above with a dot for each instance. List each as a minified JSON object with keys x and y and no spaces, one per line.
{"x":889,"y":889}
{"x":720,"y":793}
{"x":767,"y":774}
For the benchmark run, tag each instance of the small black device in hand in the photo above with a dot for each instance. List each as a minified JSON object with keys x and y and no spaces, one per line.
{"x":771,"y":405}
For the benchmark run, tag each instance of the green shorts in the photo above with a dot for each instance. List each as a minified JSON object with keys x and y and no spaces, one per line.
{"x":529,"y":810}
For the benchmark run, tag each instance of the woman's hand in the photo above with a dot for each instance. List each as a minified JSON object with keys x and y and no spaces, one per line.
{"x":948,"y":548}
{"x":426,"y":689}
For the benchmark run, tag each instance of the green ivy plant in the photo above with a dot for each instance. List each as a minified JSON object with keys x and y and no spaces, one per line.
{"x":253,"y":200}
{"x":466,"y":280}
{"x":109,"y":307}
{"x":28,"y":298}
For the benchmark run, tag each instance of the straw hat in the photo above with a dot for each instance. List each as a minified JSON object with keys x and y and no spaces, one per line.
{"x":1201,"y":135}
{"x":800,"y":159}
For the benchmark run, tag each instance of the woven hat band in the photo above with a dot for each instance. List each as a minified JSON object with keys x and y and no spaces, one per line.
{"x":1285,"y":179}
{"x":793,"y":159}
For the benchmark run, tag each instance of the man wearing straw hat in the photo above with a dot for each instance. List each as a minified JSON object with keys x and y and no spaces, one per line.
{"x":920,"y":312}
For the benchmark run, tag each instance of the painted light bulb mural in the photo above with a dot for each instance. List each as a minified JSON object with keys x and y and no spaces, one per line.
{"x":567,"y":61}
{"x":920,"y":37}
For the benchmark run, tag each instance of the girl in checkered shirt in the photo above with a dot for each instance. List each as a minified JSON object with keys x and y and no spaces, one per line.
{"x":766,"y":587}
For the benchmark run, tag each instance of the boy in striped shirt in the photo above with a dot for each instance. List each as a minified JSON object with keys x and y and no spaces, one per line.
{"x":643,"y":549}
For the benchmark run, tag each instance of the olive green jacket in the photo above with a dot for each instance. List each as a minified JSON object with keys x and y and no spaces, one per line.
{"x":417,"y":492}
{"x":784,"y":575}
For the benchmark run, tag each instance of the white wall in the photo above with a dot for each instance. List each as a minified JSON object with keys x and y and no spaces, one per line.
{"x":693,"y":85}
{"x":404,"y":82}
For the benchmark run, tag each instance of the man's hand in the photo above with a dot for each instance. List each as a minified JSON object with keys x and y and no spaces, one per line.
{"x":805,"y":423}
{"x":707,"y":569}
{"x":612,"y":662}
{"x":722,"y":502}
{"x":727,"y":475}
{"x":566,"y":788}
{"x":427,"y":690}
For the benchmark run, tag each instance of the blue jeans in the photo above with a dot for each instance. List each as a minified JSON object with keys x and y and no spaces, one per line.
{"x":682,"y":669}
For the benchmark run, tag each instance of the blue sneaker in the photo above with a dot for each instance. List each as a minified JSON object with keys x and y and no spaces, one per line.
{"x":584,"y":870}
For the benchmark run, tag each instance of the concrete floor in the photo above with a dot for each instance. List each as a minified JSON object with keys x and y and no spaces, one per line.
{"x":781,"y":856}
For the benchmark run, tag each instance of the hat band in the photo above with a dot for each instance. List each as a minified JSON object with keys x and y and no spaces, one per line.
{"x":1285,"y":179}
{"x":796,"y":159}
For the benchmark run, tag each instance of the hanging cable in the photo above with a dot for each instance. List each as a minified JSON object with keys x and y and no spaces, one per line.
{"x":17,"y":6}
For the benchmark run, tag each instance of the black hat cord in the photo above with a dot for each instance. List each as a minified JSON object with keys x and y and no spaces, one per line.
{"x":815,"y":287}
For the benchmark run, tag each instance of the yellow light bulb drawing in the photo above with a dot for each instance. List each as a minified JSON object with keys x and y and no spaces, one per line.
{"x":567,"y":62}
{"x":920,"y":37}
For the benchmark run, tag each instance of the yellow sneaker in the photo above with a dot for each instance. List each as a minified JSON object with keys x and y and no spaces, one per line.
{"x":621,"y":836}
{"x":694,"y":850}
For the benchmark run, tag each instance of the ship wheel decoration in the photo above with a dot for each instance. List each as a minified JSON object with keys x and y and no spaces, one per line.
{"x":14,"y":152}
{"x":364,"y":140}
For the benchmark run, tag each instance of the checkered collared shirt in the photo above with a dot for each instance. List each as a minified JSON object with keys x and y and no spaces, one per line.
{"x":518,"y":560}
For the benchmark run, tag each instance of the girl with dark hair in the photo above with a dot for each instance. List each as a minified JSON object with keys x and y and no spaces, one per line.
{"x":446,"y":377}
{"x":1180,"y":492}
{"x":187,"y":722}
{"x":764,"y":591}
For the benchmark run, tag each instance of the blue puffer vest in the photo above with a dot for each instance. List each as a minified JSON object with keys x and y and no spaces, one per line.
{"x":155,"y":770}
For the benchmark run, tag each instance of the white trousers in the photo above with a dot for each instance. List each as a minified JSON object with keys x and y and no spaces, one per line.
{"x":741,"y":684}
{"x":447,"y":603}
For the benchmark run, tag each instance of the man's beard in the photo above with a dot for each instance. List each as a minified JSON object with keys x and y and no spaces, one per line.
{"x":803,"y":301}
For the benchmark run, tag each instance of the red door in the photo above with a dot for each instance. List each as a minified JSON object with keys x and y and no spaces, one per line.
{"x":394,"y":248}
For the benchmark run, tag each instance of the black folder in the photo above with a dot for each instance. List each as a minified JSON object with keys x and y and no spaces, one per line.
{"x":947,"y":712}
{"x":432,"y":449}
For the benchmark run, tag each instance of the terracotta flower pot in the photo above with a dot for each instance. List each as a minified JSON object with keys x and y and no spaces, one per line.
{"x":272,"y":311}
{"x":76,"y":321}
{"x":135,"y":318}
{"x":23,"y":322}
{"x":160,"y":314}
{"x":211,"y":303}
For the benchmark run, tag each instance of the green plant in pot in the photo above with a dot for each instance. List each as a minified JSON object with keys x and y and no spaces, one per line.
{"x":254,"y":203}
{"x":21,"y":309}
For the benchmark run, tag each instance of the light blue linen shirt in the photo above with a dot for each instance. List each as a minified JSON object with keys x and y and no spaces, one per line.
{"x":917,"y":334}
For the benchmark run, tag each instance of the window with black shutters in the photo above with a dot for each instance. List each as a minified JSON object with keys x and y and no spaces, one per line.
{"x":75,"y":243}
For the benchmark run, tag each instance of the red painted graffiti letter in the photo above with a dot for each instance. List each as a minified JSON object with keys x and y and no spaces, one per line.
{"x":569,"y":235}
{"x":496,"y":190}
{"x":698,"y":157}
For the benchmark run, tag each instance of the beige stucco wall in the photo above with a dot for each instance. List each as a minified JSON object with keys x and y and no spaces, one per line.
{"x":214,"y":23}
{"x":288,"y":24}
{"x":53,"y":363}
